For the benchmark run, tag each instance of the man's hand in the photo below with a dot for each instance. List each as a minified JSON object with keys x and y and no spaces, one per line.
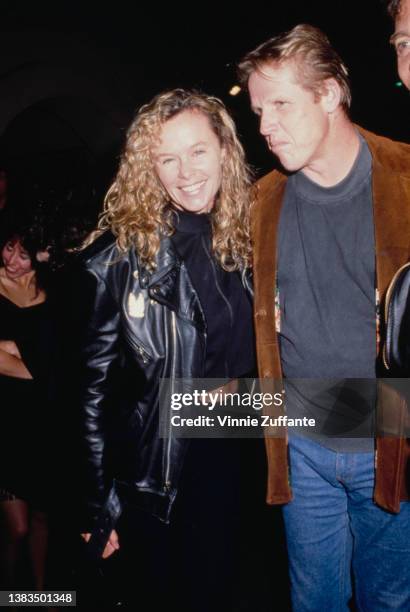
{"x":111,"y":546}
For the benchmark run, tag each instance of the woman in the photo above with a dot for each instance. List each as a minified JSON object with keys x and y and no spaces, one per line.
{"x":25,"y":358}
{"x":168,"y":297}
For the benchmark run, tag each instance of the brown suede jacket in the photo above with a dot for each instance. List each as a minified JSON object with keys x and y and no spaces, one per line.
{"x":391,"y":204}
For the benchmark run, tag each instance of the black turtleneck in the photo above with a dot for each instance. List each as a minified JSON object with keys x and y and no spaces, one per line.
{"x":226,"y":305}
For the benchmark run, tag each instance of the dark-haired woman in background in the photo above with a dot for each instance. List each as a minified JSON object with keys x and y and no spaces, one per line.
{"x":26,"y":340}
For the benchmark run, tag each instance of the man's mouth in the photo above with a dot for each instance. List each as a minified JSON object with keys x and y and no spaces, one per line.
{"x":275,"y":146}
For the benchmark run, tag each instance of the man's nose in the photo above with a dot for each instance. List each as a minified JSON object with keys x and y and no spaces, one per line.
{"x":268,"y":122}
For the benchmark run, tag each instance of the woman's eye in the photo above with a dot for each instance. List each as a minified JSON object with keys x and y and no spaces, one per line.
{"x":167,"y":160}
{"x":199,"y":152}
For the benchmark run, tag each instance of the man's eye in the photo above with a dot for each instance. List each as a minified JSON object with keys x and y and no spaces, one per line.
{"x":403,"y":46}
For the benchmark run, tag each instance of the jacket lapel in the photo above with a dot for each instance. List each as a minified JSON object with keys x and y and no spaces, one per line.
{"x":170,"y":285}
{"x":390,"y":206}
{"x":265,"y":234}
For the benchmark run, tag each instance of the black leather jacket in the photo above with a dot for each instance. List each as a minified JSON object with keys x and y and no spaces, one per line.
{"x":142,"y":327}
{"x":397,"y":347}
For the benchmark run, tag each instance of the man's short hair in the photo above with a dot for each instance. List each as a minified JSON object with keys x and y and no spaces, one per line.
{"x":314,"y":57}
{"x":393,"y":8}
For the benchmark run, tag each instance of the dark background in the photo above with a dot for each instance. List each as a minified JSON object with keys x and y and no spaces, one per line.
{"x":72,"y":75}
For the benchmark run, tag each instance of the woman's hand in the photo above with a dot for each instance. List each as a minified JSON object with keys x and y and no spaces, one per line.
{"x":12,"y":364}
{"x":10,"y":347}
{"x":111,"y":546}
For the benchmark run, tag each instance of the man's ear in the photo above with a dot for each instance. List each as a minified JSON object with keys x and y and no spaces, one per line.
{"x":331,"y":95}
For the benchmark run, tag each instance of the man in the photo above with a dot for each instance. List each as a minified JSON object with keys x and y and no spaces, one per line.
{"x":400,"y":12}
{"x":330,"y":228}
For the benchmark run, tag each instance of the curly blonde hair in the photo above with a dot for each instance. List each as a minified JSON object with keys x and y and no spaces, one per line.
{"x":136,"y":207}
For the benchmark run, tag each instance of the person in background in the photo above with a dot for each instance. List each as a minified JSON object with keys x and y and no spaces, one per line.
{"x":166,"y":281}
{"x":399,"y":10}
{"x":26,"y":357}
{"x":330,"y":228}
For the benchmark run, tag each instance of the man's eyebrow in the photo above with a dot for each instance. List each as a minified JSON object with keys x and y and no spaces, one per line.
{"x":397,"y":34}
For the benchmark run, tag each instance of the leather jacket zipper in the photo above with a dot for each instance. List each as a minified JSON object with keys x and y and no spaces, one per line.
{"x":167,"y":482}
{"x":140,"y":349}
{"x":144,"y":355}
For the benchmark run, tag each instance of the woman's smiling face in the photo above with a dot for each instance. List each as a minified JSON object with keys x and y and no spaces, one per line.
{"x":16,"y":260}
{"x":188,"y":161}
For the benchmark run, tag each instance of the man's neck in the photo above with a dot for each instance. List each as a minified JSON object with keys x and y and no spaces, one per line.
{"x":339,"y":152}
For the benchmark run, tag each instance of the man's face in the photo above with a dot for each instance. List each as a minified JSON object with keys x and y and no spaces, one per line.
{"x":293,"y":122}
{"x":401,"y":42}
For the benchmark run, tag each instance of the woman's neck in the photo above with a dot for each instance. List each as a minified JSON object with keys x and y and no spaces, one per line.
{"x":23,"y":291}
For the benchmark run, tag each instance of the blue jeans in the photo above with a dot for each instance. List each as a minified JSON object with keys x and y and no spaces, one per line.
{"x":335,"y":532}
